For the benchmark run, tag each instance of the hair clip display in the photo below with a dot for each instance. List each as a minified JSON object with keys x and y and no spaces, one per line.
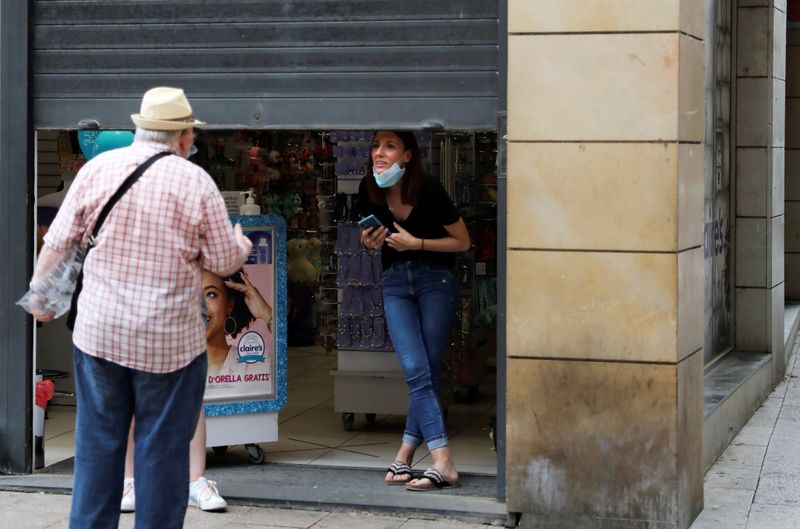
{"x":362,"y":324}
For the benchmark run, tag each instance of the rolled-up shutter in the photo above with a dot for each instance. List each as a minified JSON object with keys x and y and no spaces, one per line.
{"x":270,"y":63}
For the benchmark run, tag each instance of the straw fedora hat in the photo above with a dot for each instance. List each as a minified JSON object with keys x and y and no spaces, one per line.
{"x":165,"y":108}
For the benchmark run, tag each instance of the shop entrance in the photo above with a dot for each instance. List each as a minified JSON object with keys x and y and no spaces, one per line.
{"x":346,"y":395}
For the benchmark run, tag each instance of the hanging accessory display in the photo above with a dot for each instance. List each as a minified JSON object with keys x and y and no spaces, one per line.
{"x":361,"y":324}
{"x":127,"y":184}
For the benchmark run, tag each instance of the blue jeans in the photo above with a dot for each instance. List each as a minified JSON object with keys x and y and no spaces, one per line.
{"x":166,"y":407}
{"x":420,"y":302}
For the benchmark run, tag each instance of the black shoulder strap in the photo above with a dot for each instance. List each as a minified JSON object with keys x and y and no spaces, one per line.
{"x":134,"y":176}
{"x":73,"y":311}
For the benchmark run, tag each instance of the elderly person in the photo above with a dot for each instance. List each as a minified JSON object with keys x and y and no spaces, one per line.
{"x":139,"y":338}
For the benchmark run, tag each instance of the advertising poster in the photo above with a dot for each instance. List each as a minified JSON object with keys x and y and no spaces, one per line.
{"x":243,"y":323}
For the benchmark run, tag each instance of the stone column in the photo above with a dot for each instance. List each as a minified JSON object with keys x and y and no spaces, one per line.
{"x":759,"y":230}
{"x":605,"y":263}
{"x":792,"y":175}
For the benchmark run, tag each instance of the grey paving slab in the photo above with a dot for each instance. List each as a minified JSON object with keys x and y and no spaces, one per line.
{"x":725,"y":508}
{"x":787,"y":429}
{"x":41,"y":502}
{"x":358,"y":521}
{"x":197,"y":519}
{"x":753,"y":435}
{"x":782,"y":387}
{"x":775,"y":400}
{"x":751,"y":455}
{"x":716,"y":520}
{"x":792,"y":398}
{"x":773,"y":517}
{"x":439,"y":524}
{"x":294,"y":518}
{"x":733,"y":476}
{"x":789,"y":385}
{"x":789,"y":413}
{"x":782,"y":456}
{"x":30,"y":519}
{"x":779,"y":488}
{"x":764,"y":417}
{"x":236,"y":525}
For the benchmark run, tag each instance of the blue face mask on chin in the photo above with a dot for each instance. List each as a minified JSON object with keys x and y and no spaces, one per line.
{"x":389,"y":177}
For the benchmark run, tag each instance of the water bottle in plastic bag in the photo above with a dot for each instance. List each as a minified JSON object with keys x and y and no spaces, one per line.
{"x":53,"y":292}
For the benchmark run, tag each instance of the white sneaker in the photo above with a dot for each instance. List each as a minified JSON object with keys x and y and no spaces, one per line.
{"x":203,"y":493}
{"x":128,"y":503}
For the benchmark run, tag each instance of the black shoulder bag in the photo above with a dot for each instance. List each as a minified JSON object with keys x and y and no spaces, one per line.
{"x":134,"y":176}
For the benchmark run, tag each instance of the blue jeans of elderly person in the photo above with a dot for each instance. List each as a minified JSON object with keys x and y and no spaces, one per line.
{"x":166,"y":407}
{"x":420,"y":301}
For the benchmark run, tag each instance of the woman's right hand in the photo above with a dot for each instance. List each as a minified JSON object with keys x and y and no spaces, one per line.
{"x":373,"y":238}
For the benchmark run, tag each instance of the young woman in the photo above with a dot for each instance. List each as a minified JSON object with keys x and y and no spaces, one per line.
{"x":421,"y":231}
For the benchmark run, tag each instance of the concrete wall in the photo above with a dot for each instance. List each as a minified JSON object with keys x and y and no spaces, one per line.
{"x":605,"y":262}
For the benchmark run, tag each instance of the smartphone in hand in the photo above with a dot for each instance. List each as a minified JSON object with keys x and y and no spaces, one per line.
{"x":370,"y":222}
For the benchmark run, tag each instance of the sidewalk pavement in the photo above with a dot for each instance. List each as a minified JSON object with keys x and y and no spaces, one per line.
{"x":37,"y":510}
{"x":755,"y":483}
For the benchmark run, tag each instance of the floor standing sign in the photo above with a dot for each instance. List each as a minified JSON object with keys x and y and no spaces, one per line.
{"x":246,"y":323}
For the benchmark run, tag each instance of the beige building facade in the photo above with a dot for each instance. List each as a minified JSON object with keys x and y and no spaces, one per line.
{"x":652,"y":206}
{"x":645,"y":259}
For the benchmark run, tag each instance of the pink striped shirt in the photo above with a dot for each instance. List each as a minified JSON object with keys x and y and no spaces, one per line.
{"x":140,"y":304}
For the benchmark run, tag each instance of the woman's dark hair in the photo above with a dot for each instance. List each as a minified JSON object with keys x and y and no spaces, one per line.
{"x":412,"y":179}
{"x":240,"y":313}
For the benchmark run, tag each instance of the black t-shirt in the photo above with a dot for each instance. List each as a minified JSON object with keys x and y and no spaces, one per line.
{"x":434,"y":211}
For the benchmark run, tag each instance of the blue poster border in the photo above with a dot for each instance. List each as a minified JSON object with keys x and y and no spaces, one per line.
{"x":243,"y":407}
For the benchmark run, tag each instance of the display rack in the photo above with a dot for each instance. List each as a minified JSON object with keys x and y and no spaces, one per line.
{"x":467,"y":169}
{"x":368,"y":378}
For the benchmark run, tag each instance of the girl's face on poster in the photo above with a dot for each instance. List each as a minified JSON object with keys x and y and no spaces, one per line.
{"x":218,"y":305}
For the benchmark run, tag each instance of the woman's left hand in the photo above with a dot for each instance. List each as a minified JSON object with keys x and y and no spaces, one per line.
{"x":403,"y":241}
{"x":258,"y":306}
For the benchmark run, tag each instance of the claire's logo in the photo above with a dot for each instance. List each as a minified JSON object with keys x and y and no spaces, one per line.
{"x":251,"y":348}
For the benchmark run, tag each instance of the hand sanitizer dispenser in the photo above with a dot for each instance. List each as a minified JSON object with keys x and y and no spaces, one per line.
{"x":249,"y":207}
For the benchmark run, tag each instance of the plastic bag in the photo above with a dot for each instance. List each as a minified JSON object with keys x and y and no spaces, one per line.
{"x":53,"y":292}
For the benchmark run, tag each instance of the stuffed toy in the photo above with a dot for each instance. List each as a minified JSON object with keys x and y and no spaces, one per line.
{"x":273,"y":204}
{"x":291,"y":205}
{"x":307,"y":142}
{"x":272,"y":174}
{"x":314,"y":248}
{"x":298,"y":268}
{"x":273,"y":164}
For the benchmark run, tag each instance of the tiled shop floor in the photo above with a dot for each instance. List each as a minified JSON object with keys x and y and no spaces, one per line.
{"x":311,"y":432}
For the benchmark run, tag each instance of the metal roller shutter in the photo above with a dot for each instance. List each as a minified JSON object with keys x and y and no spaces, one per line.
{"x":270,"y":63}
